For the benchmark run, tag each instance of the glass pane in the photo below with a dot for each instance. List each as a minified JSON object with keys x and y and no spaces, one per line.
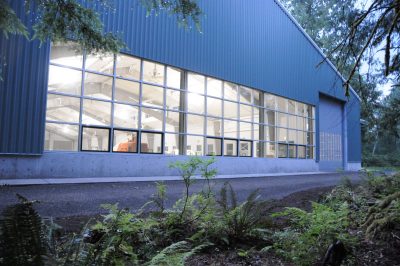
{"x":194,"y":145}
{"x":313,"y":112}
{"x":292,"y":151}
{"x":292,"y":106}
{"x":292,"y":136}
{"x":195,"y":124}
{"x":128,"y":67}
{"x":282,"y":120}
{"x":245,"y":148}
{"x":63,"y":108}
{"x":150,"y":142}
{"x":269,"y":133}
{"x":214,"y":87}
{"x":282,"y":134}
{"x":214,"y":127}
{"x":256,"y":97}
{"x":301,"y":137}
{"x":245,"y":95}
{"x":230,"y":147}
{"x":230,"y":129}
{"x":281,"y":104}
{"x":269,"y":101}
{"x":245,"y":130}
{"x":214,"y":146}
{"x":195,"y":83}
{"x":98,"y":86}
{"x":172,"y":122}
{"x":64,"y":80}
{"x":100,"y":63}
{"x":230,"y":110}
{"x":269,"y":117}
{"x":171,"y":144}
{"x":153,"y":72}
{"x":95,"y":139}
{"x":256,"y":114}
{"x":60,"y":137}
{"x":292,"y":121}
{"x":269,"y":150}
{"x":214,"y":107}
{"x":309,"y":124}
{"x":125,"y":141}
{"x":246,"y":113}
{"x":301,"y":109}
{"x":301,"y":152}
{"x":301,"y":123}
{"x":310,"y":138}
{"x":230,"y":91}
{"x":96,"y":113}
{"x":195,"y":103}
{"x":152,"y":119}
{"x":126,"y":116}
{"x":257,"y":148}
{"x":310,"y":152}
{"x":66,"y":54}
{"x":282,"y":150}
{"x":309,"y":111}
{"x":127,"y":91}
{"x":172,"y":99}
{"x":173,"y":77}
{"x":152,"y":96}
{"x":256,"y":131}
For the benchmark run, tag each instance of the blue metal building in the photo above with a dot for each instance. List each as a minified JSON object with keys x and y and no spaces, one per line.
{"x":248,"y":89}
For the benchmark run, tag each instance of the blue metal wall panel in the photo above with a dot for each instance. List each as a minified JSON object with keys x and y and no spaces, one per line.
{"x":23,"y":91}
{"x":353,"y":130}
{"x":248,"y":42}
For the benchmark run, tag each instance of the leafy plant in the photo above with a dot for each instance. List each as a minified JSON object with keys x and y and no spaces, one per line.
{"x":22,"y":240}
{"x":310,"y":233}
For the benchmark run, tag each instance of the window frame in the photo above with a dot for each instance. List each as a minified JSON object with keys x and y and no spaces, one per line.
{"x":94,"y":127}
{"x":126,"y":130}
{"x":151,"y":132}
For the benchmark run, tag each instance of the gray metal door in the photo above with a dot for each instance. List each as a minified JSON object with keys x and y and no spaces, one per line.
{"x":331,"y":134}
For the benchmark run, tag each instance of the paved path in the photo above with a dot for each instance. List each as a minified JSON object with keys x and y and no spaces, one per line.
{"x":85,"y":199}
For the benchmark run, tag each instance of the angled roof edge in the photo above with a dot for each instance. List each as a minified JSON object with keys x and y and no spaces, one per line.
{"x":315,"y":45}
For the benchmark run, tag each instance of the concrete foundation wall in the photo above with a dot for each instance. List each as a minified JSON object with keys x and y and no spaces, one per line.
{"x":82,"y":164}
{"x":353,"y":166}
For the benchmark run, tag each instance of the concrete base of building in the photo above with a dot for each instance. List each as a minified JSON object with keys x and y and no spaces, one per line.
{"x":353,"y":166}
{"x":86,"y":165}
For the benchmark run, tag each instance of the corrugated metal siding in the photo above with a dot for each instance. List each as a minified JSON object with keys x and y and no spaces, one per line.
{"x":248,"y":42}
{"x":252,"y":43}
{"x":23,"y":92}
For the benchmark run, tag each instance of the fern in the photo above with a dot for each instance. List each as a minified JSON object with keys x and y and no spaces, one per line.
{"x":176,"y":254}
{"x":22,"y":241}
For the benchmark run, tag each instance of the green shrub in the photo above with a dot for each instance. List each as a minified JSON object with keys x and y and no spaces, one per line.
{"x":22,"y":241}
{"x":311,"y":233}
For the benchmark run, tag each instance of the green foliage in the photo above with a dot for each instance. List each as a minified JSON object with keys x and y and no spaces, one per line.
{"x":311,"y":233}
{"x":176,"y":254}
{"x":160,"y":197}
{"x":9,"y":22}
{"x":22,"y":241}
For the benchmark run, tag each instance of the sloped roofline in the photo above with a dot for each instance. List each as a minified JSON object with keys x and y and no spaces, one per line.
{"x":315,"y":45}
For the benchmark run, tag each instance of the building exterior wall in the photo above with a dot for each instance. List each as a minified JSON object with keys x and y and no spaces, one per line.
{"x":255,"y":44}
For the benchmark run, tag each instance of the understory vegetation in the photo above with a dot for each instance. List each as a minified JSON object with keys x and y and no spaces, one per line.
{"x":351,"y":225}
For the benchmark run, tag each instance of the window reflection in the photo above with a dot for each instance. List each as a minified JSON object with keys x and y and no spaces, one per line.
{"x":98,"y":86}
{"x":100,"y":63}
{"x":128,"y":67}
{"x":214,"y":146}
{"x":171,"y":144}
{"x":152,"y":119}
{"x":127,"y":91}
{"x":245,"y":148}
{"x":96,"y":112}
{"x":214,"y":127}
{"x":196,"y":103}
{"x":173,"y":77}
{"x":230,"y":147}
{"x":194,"y":145}
{"x":64,"y":80}
{"x":195,"y":83}
{"x":63,"y":108}
{"x":214,"y":87}
{"x":126,"y":116}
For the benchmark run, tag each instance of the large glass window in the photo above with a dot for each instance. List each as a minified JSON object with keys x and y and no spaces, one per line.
{"x":125,"y":99}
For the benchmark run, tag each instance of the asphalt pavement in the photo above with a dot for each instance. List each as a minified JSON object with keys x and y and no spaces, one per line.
{"x":63,"y":200}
